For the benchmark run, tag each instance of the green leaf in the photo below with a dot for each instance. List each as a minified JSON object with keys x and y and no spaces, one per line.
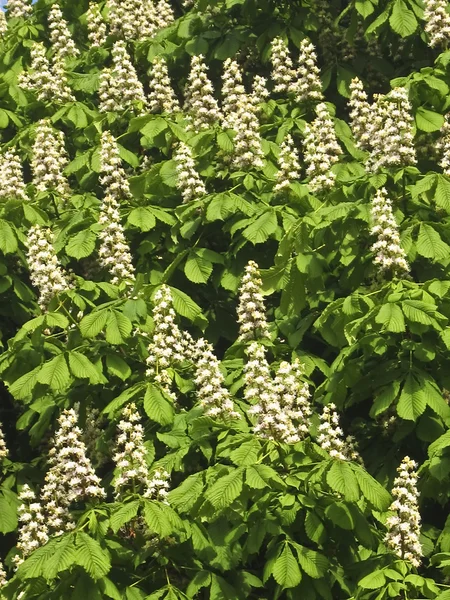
{"x":81,"y":245}
{"x":313,"y":563}
{"x":286,"y":570}
{"x":36,"y":564}
{"x":55,"y":373}
{"x":91,"y":556}
{"x":56,"y":320}
{"x":128,"y":157}
{"x":373,"y":581}
{"x":83,"y":368}
{"x":91,"y":325}
{"x":157,"y":519}
{"x":8,"y":240}
{"x":339,"y":514}
{"x":412,"y":401}
{"x":168,"y":173}
{"x":186,"y":495}
{"x":124,"y":397}
{"x":23,"y":387}
{"x":262,"y":228}
{"x":117,"y":366}
{"x":109,"y":589}
{"x":124,"y":514}
{"x":371,"y":489}
{"x":402,"y":20}
{"x":118,"y":327}
{"x":428,"y":120}
{"x":341,"y":479}
{"x":226,"y":489}
{"x":157,"y":407}
{"x":184,"y":305}
{"x":430,"y":244}
{"x":8,"y":514}
{"x":142,"y":217}
{"x":391,"y":317}
{"x":442,"y":193}
{"x":197,"y":269}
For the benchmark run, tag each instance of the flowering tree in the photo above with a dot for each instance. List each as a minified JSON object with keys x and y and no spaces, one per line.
{"x":224,"y":293}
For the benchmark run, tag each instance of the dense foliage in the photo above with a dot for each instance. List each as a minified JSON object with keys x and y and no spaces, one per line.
{"x":224,"y":299}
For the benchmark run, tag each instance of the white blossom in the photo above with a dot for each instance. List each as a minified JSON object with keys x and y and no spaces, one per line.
{"x":158,"y":486}
{"x":60,"y":36}
{"x":46,"y":272}
{"x":443,"y":146}
{"x":130,"y":455}
{"x":49,"y":159}
{"x":307,"y":85}
{"x":331,"y":437}
{"x":389,"y":255}
{"x":188,"y":180}
{"x":18,"y":8}
{"x":289,"y":164}
{"x":33,"y":530}
{"x":251,"y":312}
{"x":113,"y":178}
{"x":71,"y":476}
{"x":134,"y":19}
{"x":161,"y":95}
{"x":321,"y":150}
{"x":404,"y":525}
{"x":232,"y":92}
{"x":3,"y":30}
{"x":3,"y":577}
{"x":437,"y":22}
{"x":3,"y":448}
{"x":260,"y":93}
{"x":200,"y":104}
{"x":391,"y":132}
{"x":248,"y":150}
{"x":360,"y":114}
{"x":11,"y":177}
{"x":283,"y":72}
{"x":120,"y":87}
{"x":97,"y":31}
{"x":169,"y":345}
{"x":47,"y":79}
{"x":209,"y":381}
{"x":164,"y":14}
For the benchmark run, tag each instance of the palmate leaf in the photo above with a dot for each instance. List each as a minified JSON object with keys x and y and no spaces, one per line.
{"x":55,"y":373}
{"x":391,"y":317}
{"x":430,"y":244}
{"x":124,"y":514}
{"x":226,"y":489}
{"x":83,"y":368}
{"x":185,"y":495}
{"x":371,"y":489}
{"x":311,"y":562}
{"x":413,"y":400}
{"x":261,"y":228}
{"x":341,"y":479}
{"x":286,"y":571}
{"x":197,"y":269}
{"x":157,"y":519}
{"x":402,"y":20}
{"x":157,"y":406}
{"x":91,"y":556}
{"x":82,"y":244}
{"x":118,"y":327}
{"x":91,"y":325}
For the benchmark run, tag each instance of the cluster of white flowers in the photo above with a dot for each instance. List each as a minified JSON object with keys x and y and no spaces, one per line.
{"x":60,"y":36}
{"x":389,"y":255}
{"x":251,"y":312}
{"x":248,"y":150}
{"x":331,"y":437}
{"x":443,"y":146}
{"x":130,"y":455}
{"x":281,"y":405}
{"x":437,"y":22}
{"x":71,"y":476}
{"x":168,"y":344}
{"x":138,"y":19}
{"x":3,"y":578}
{"x":97,"y":31}
{"x":49,"y":159}
{"x":289,"y":164}
{"x":307,"y":85}
{"x":283,"y":73}
{"x":46,"y":272}
{"x":209,"y":379}
{"x":113,"y":178}
{"x":11,"y":177}
{"x":200,"y":104}
{"x":164,"y":14}
{"x":404,"y":527}
{"x":33,"y":530}
{"x":114,"y":252}
{"x":188,"y":180}
{"x":391,"y":132}
{"x":321,"y":150}
{"x":3,"y":448}
{"x":120,"y":87}
{"x":259,"y":92}
{"x":360,"y":113}
{"x":232,"y":93}
{"x":18,"y":8}
{"x":161,"y":95}
{"x":3,"y":30}
{"x":47,"y":79}
{"x":158,"y":486}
